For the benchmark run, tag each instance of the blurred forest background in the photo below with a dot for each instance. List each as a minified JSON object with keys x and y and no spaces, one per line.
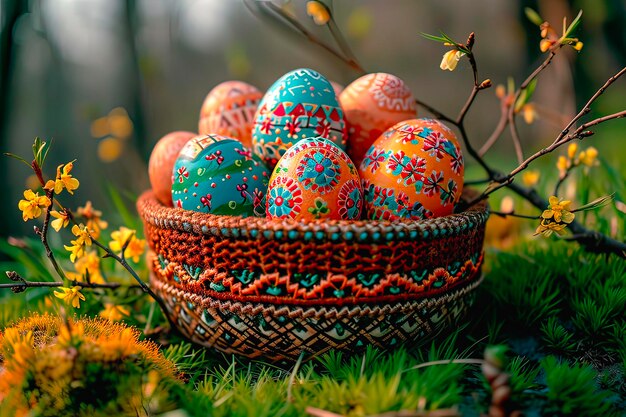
{"x":107,"y":78}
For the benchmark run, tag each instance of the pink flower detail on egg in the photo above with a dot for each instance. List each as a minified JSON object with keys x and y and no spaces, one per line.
{"x":182,"y":174}
{"x":410,"y":133}
{"x":434,"y":143}
{"x":293,"y":127}
{"x":267,"y":125}
{"x":413,"y":171}
{"x":323,"y":128}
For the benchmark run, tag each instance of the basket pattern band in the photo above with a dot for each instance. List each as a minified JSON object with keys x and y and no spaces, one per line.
{"x":279,"y":332}
{"x":315,"y":288}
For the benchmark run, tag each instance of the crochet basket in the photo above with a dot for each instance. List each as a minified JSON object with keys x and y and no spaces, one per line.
{"x":274,"y":288}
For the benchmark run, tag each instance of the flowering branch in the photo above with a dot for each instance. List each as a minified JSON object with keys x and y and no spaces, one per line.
{"x":280,"y":15}
{"x":85,"y":236}
{"x":551,"y":43}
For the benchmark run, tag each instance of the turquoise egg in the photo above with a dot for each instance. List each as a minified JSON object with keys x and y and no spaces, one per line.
{"x":301,"y":104}
{"x":218,"y":175}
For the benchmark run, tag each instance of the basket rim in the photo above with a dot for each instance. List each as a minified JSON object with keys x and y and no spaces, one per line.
{"x":156,"y":214}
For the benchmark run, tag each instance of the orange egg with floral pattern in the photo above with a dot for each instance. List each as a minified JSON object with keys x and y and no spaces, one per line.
{"x":412,"y":171}
{"x":313,"y":180}
{"x":228,"y":110}
{"x":372,"y":104}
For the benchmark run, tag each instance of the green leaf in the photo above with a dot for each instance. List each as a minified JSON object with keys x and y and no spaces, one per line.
{"x":19,"y":158}
{"x":572,"y":27}
{"x":526,"y":94}
{"x":533,"y":16}
{"x":40,"y":151}
{"x":597,"y":203}
{"x":445,"y":39}
{"x":434,"y":38}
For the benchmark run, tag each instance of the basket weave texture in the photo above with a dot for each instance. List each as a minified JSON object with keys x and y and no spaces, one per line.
{"x":275,"y":288}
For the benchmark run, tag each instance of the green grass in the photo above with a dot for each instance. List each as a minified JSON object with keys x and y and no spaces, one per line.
{"x":559,"y":310}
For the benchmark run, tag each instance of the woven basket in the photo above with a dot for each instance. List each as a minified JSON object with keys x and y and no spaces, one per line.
{"x":276,"y":288}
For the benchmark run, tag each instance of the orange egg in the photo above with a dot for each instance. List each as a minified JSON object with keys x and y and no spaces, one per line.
{"x":229,"y":109}
{"x":414,"y":170}
{"x":337,"y":88}
{"x":315,"y":179}
{"x":372,"y":104}
{"x":162,"y":161}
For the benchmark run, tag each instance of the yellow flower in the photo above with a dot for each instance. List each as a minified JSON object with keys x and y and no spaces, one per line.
{"x":545,"y":44}
{"x":529,"y":113}
{"x":82,"y":233}
{"x":76,"y":250}
{"x":589,"y":156}
{"x":500,"y":91}
{"x":94,"y":222}
{"x":83,"y":238}
{"x":110,"y":148}
{"x":578,"y":46}
{"x":134,"y":248}
{"x":89,"y":263}
{"x":119,"y":345}
{"x":69,"y":334}
{"x":318,"y":12}
{"x":563,"y":165}
{"x":547,"y":227}
{"x":62,"y":219}
{"x":559,"y":210}
{"x":63,"y":180}
{"x":571,"y":150}
{"x":451,"y":59}
{"x":530,"y":178}
{"x":71,"y":296}
{"x":32,"y":205}
{"x":114,"y":312}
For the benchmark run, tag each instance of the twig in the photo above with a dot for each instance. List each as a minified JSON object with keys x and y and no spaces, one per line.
{"x":497,"y":132}
{"x":562,"y":180}
{"x":23,"y":284}
{"x":477,"y":182}
{"x":439,"y":115}
{"x":563,"y":137}
{"x":513,"y":214}
{"x":587,"y":107}
{"x":341,"y":41}
{"x":43,"y":234}
{"x":295,"y":24}
{"x":517,"y":143}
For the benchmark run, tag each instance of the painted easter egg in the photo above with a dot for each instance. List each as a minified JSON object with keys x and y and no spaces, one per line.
{"x":300,"y":104}
{"x":218,"y":175}
{"x":413,"y":171}
{"x":162,"y":161}
{"x":315,"y":179}
{"x":371,"y":105}
{"x":229,"y":109}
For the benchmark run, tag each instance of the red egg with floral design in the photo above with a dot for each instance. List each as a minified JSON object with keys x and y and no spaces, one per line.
{"x":162,"y":161}
{"x":414,"y":171}
{"x":315,"y":179}
{"x":372,"y":104}
{"x":228,"y":110}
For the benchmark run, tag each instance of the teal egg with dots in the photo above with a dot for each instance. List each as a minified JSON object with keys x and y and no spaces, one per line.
{"x":300,"y":104}
{"x":219,"y":175}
